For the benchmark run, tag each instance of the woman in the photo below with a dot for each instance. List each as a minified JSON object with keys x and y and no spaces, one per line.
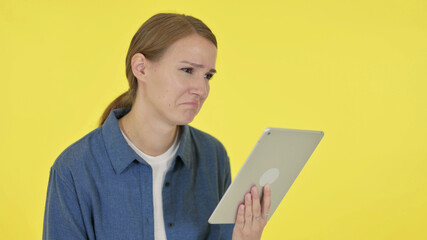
{"x":144,"y":173}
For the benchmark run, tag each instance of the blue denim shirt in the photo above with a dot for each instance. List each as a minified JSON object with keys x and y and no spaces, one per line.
{"x":99,"y":188}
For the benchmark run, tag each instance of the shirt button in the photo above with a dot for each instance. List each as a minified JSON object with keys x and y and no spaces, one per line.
{"x":167,"y":184}
{"x":170,"y":224}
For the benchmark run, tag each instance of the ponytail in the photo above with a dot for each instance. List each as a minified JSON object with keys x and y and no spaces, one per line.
{"x":126,"y":99}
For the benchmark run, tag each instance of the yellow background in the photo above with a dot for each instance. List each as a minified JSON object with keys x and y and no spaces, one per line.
{"x":356,"y":70}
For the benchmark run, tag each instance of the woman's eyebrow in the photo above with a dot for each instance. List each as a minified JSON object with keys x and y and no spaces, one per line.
{"x":198,"y":65}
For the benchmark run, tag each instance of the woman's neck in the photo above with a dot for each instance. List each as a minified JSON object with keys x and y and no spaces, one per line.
{"x":147,"y":134}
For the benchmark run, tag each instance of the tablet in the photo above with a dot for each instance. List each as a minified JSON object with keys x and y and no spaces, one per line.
{"x":277,"y":159}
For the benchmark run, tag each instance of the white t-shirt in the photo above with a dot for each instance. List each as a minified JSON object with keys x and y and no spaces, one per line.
{"x":160,"y":165}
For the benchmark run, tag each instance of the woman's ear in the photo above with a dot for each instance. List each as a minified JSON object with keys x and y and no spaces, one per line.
{"x":139,"y":63}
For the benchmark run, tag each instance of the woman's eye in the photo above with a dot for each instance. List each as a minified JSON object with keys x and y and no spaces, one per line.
{"x":208,"y":76}
{"x":187,"y":70}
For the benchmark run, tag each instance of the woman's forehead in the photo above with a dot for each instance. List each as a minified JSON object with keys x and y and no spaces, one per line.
{"x":193,"y":48}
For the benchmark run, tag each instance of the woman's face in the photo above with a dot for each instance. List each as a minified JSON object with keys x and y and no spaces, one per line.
{"x":177,"y":84}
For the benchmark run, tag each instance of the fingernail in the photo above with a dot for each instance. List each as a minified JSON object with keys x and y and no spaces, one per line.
{"x":267,"y":187}
{"x":255,"y":191}
{"x":248,"y":197}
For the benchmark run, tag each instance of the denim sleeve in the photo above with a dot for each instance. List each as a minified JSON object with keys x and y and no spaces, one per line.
{"x":62,"y":219}
{"x":227,"y":174}
{"x":225,"y":230}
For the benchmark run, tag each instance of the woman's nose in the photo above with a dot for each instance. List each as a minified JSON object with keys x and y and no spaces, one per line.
{"x":201,"y":87}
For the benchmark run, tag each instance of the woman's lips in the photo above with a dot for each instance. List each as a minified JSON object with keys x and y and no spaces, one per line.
{"x":192,"y":104}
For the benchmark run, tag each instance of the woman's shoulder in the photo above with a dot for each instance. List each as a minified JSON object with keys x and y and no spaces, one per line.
{"x":81,"y":151}
{"x":204,"y":137}
{"x":206,"y":142}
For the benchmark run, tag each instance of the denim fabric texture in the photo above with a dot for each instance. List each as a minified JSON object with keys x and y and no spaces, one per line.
{"x":99,"y":188}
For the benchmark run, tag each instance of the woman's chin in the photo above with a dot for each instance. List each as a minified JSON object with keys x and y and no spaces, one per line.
{"x":187,"y":118}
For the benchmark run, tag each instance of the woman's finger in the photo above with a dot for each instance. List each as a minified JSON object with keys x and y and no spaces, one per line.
{"x":240,"y":218}
{"x":248,"y":210}
{"x":266,"y":201}
{"x":256,"y":206}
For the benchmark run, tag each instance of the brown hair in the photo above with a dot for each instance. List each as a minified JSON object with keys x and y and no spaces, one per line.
{"x":152,"y":39}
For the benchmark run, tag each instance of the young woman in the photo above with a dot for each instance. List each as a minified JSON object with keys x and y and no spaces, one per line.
{"x":144,"y":173}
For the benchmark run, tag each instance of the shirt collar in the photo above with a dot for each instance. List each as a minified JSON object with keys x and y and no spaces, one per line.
{"x":186,"y":151}
{"x":122,"y":155}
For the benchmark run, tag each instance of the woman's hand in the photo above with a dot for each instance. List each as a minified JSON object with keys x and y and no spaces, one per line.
{"x":252,"y":216}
